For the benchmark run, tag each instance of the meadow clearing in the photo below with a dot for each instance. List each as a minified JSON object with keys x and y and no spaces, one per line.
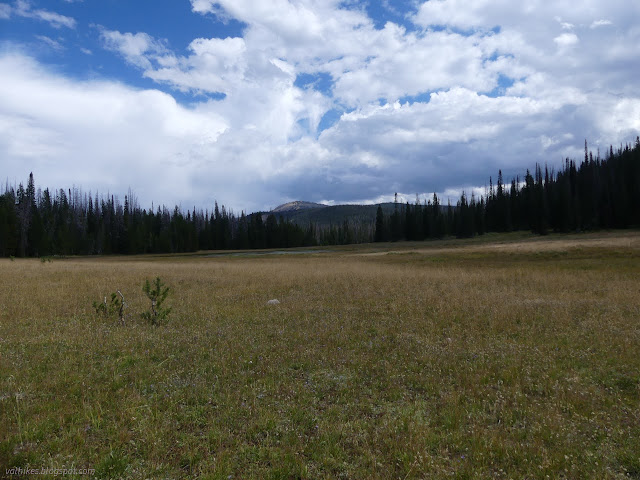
{"x":506,"y":356}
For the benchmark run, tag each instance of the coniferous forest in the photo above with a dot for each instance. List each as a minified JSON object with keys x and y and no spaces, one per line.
{"x":595,"y":193}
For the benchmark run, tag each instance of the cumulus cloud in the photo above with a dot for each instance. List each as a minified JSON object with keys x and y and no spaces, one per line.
{"x":412,"y":64}
{"x":214,"y":65}
{"x":426,"y":146}
{"x":366,"y":63}
{"x":255,"y":82}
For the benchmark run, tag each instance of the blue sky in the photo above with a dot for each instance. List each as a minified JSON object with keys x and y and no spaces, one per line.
{"x":79,"y":51}
{"x":257,"y":103}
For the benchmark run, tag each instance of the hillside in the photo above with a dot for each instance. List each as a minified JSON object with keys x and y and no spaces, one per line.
{"x":335,"y":214}
{"x":324,"y":215}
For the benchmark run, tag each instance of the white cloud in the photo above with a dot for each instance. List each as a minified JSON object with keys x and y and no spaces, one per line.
{"x":457,"y":13}
{"x":460,"y":137}
{"x":22,"y":8}
{"x":216,"y":150}
{"x":366,"y":63}
{"x":601,"y":23}
{"x":308,"y":33}
{"x":566,"y":40}
{"x":100,"y":135}
{"x":215,"y":65}
{"x":258,"y":83}
{"x":135,"y":48}
{"x":51,"y":43}
{"x":623,"y":118}
{"x":5,"y":11}
{"x":410,"y":65}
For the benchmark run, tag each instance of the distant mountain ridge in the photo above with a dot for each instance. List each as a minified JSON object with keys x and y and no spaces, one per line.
{"x":302,"y":213}
{"x":297,"y":206}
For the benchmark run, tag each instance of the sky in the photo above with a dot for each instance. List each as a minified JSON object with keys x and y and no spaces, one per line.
{"x":255,"y":103}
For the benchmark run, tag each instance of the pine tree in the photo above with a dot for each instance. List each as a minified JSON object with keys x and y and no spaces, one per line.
{"x":380,"y":233}
{"x":396,"y":226}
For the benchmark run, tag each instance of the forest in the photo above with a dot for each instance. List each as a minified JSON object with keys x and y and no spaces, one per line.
{"x":599,"y":193}
{"x":595,"y":193}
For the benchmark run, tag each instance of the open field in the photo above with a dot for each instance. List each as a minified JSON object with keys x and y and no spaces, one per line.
{"x":504,"y":357}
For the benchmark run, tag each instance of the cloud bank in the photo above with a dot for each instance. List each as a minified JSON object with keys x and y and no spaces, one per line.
{"x":314,"y":101}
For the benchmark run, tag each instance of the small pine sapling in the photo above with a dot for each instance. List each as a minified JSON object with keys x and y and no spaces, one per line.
{"x":117,"y":305}
{"x":102,"y":307}
{"x":156,"y":292}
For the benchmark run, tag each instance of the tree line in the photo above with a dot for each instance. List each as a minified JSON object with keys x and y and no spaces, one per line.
{"x":42,"y":223}
{"x":596,"y":193}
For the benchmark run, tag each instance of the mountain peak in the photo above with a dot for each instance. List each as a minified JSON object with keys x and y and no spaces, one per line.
{"x":297,"y":205}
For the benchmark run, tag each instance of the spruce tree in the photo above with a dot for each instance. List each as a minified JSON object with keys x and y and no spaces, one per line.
{"x":380,"y":234}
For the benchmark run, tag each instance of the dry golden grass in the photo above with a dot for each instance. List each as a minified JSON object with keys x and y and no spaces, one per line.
{"x":514,"y":243}
{"x":466,"y":362}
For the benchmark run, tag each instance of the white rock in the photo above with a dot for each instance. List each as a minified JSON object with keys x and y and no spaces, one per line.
{"x":273,"y":302}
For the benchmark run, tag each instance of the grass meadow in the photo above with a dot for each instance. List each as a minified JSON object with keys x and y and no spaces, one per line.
{"x":501,"y":357}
